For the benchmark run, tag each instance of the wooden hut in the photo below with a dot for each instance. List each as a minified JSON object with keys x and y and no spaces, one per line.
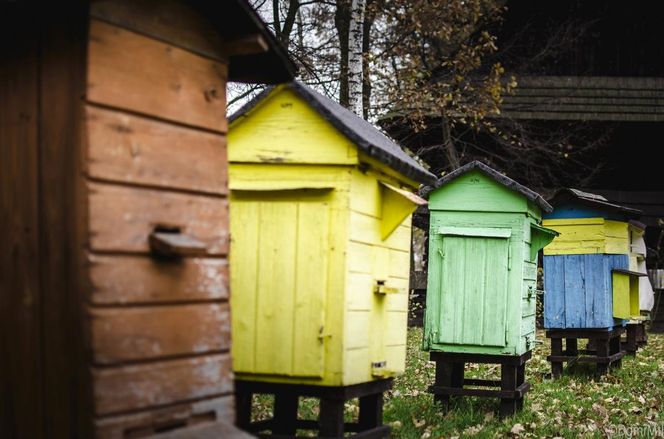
{"x":320,"y":224}
{"x":484,"y":238}
{"x":590,"y":290}
{"x":113,"y":213}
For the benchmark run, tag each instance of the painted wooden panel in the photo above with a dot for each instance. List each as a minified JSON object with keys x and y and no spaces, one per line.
{"x":280,"y":294}
{"x":137,"y":279}
{"x":122,"y":218}
{"x":578,"y":290}
{"x":284,"y":129}
{"x":148,"y":332}
{"x":130,"y":71}
{"x":621,"y":296}
{"x":472,"y":273}
{"x":141,"y":386}
{"x":133,"y":149}
{"x":587,"y":236}
{"x":477,"y":193}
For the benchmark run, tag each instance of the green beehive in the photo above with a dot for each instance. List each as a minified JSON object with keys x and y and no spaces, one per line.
{"x":483,"y":242}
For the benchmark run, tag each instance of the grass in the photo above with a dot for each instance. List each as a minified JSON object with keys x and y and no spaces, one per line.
{"x":576,"y":405}
{"x":628,"y":400}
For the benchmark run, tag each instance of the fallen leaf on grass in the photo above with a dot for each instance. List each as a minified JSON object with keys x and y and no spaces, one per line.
{"x":517,"y":429}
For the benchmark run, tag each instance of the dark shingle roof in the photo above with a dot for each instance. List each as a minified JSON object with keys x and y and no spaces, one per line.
{"x":365,"y":136}
{"x":592,"y":200}
{"x":498,"y":177}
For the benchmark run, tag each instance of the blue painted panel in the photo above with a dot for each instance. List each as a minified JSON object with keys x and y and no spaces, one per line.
{"x":578,"y":290}
{"x":575,"y":211}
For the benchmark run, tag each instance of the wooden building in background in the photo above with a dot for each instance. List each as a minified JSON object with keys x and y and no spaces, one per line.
{"x":114,"y":213}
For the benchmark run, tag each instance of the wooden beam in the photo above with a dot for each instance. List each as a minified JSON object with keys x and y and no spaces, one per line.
{"x":247,"y":45}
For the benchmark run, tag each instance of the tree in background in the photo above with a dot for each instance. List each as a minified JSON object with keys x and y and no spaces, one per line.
{"x":430,"y":72}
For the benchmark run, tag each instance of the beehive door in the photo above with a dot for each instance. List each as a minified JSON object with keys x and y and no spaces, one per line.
{"x":280,"y":245}
{"x":471,"y":273}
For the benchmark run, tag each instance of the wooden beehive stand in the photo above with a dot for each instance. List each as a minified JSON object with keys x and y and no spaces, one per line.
{"x":450,"y":380}
{"x":635,"y":338}
{"x":606,"y":352}
{"x":330,"y":424}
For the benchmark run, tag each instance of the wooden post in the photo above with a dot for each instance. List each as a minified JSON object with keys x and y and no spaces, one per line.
{"x":508,"y":382}
{"x":443,"y":378}
{"x":520,"y":379}
{"x":602,"y":345}
{"x":243,"y":409}
{"x":331,"y":418}
{"x":571,"y":346}
{"x":614,"y":348}
{"x":556,"y":350}
{"x":371,"y":411}
{"x":285,"y":413}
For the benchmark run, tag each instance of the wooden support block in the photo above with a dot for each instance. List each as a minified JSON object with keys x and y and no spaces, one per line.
{"x":371,"y":411}
{"x":243,"y":403}
{"x":285,"y":413}
{"x":602,"y":345}
{"x":556,"y":351}
{"x":571,"y":346}
{"x":508,"y":382}
{"x":331,"y":418}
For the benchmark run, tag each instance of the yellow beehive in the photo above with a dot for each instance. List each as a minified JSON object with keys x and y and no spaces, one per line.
{"x":320,"y":245}
{"x":582,"y":236}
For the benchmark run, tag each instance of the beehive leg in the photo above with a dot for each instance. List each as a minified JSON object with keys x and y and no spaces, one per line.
{"x":630,"y":344}
{"x":331,"y":418}
{"x":285,"y":413}
{"x":556,"y":351}
{"x":371,"y":411}
{"x":243,"y":408}
{"x":444,"y":379}
{"x":571,"y":346}
{"x":614,"y":348}
{"x":508,"y":382}
{"x":602,"y":345}
{"x":520,"y":379}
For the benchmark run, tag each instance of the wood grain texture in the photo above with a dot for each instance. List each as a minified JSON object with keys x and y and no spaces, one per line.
{"x":587,"y":236}
{"x":578,"y":290}
{"x":282,"y":248}
{"x":167,"y":20}
{"x":133,"y":149}
{"x":137,"y":279}
{"x":122,"y":218}
{"x":480,"y":296}
{"x":177,"y":418}
{"x":282,"y":130}
{"x":62,"y":85}
{"x":127,"y":388}
{"x":22,"y":403}
{"x":137,"y":73}
{"x":143,"y":333}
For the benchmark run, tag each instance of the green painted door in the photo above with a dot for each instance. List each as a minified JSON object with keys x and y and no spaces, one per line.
{"x":469,"y":270}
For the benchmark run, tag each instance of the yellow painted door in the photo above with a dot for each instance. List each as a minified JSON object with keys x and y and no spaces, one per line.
{"x":279,"y":264}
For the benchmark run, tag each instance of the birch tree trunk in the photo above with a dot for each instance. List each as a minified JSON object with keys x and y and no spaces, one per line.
{"x":355,"y":61}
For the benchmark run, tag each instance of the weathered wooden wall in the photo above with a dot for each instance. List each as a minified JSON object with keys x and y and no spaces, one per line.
{"x":155,"y":156}
{"x":42,"y":78}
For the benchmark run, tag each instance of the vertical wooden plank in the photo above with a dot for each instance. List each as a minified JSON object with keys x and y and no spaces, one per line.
{"x":496,"y":297}
{"x":62,"y":82}
{"x":310,"y":280}
{"x":21,"y":404}
{"x":554,"y":295}
{"x":575,"y":300}
{"x":276,"y":284}
{"x":244,"y":280}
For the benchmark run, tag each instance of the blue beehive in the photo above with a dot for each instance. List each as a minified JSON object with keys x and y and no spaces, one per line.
{"x":586,"y":267}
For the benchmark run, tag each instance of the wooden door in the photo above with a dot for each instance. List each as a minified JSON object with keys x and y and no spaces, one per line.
{"x":279,"y":260}
{"x":469,"y":274}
